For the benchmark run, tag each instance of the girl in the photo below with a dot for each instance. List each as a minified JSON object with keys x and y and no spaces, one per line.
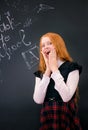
{"x":56,"y":85}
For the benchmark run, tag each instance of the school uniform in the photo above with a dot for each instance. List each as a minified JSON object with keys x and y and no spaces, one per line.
{"x":55,"y":113}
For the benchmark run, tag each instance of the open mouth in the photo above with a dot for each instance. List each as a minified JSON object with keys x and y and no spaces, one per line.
{"x":47,"y":52}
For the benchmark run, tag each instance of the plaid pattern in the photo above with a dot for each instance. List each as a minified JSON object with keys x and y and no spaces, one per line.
{"x":59,"y":116}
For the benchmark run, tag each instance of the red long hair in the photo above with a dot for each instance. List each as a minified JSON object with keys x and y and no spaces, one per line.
{"x":60,"y":48}
{"x":61,"y":52}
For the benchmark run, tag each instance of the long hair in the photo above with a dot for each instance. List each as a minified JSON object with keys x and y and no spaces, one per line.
{"x":61,"y":52}
{"x":60,"y":47}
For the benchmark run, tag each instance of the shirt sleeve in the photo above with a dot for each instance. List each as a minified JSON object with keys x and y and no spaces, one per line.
{"x":40,"y":88}
{"x":66,"y":90}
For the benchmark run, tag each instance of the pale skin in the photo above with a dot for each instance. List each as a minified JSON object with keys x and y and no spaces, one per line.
{"x":49,"y":54}
{"x":66,"y":90}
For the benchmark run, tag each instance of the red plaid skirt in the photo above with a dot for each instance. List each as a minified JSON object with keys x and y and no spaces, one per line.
{"x":59,"y":116}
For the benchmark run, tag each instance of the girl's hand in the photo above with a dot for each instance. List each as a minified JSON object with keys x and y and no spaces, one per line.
{"x":53,"y":60}
{"x":48,"y":71}
{"x":45,"y":59}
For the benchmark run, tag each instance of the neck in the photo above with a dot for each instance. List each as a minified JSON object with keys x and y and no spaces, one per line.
{"x":60,"y":62}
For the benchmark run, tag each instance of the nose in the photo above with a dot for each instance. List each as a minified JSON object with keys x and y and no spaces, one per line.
{"x":46,"y":46}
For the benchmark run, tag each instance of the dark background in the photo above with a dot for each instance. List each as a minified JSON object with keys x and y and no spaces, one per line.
{"x":22,"y":22}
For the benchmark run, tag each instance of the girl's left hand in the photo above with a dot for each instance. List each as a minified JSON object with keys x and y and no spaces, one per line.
{"x":53,"y":60}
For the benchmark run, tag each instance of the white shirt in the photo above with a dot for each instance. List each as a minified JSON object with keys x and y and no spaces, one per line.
{"x":66,"y":90}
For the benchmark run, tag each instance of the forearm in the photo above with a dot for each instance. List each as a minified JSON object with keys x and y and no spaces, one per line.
{"x":66,"y":90}
{"x":40,"y":89}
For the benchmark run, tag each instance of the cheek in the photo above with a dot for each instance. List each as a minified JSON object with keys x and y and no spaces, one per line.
{"x":52,"y":47}
{"x":42,"y":49}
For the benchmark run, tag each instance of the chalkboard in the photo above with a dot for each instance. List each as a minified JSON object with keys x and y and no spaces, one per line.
{"x":22,"y":23}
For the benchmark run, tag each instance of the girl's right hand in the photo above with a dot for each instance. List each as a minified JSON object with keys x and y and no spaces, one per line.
{"x":46,"y":58}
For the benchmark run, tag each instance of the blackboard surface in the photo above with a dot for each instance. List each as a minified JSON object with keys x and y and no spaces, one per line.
{"x":22,"y":22}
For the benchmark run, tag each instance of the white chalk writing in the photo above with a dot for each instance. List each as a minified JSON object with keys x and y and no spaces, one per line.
{"x":43,"y":7}
{"x":8,"y":25}
{"x":30,"y":57}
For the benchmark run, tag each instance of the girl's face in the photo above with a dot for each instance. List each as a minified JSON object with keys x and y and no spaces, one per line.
{"x":46,"y":45}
